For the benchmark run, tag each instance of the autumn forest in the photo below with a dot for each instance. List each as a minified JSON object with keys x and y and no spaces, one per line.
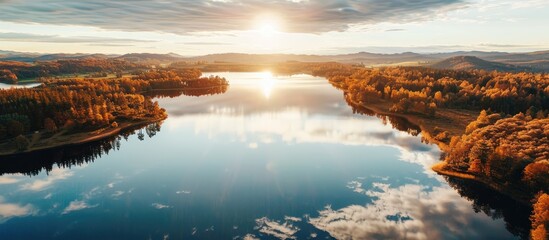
{"x":493,"y":127}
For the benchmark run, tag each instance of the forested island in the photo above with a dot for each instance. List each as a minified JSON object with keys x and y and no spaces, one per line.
{"x":72,"y":111}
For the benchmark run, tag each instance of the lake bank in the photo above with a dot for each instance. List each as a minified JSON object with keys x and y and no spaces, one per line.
{"x":61,"y":139}
{"x":92,"y":105}
{"x":454,"y":122}
{"x":511,"y":192}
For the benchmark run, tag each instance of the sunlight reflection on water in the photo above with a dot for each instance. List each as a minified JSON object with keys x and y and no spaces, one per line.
{"x":274,"y":157}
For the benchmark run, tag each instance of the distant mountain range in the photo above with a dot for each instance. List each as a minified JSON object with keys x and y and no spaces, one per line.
{"x":152,"y":57}
{"x":36,"y":57}
{"x":470,"y":63}
{"x":502,"y":61}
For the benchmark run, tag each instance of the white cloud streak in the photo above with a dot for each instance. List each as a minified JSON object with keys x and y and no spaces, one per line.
{"x":184,"y":16}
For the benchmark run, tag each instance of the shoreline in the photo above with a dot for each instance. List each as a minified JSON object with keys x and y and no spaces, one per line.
{"x":183,"y":89}
{"x":60,"y":139}
{"x":446,"y":119}
{"x":82,"y":137}
{"x":439,"y":168}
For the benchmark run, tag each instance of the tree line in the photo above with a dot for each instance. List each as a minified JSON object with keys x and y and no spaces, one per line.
{"x":11,"y":71}
{"x":423,"y":90}
{"x":508,"y":150}
{"x":86,"y":104}
{"x":508,"y":144}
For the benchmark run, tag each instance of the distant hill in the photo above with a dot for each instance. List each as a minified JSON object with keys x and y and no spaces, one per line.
{"x":2,"y":52}
{"x":258,"y":58}
{"x":479,"y":54}
{"x":471,"y":62}
{"x":33,"y":57}
{"x":151,"y":58}
{"x":53,"y":57}
{"x":17,"y":56}
{"x":376,"y":58}
{"x":361,"y":57}
{"x":532,"y":61}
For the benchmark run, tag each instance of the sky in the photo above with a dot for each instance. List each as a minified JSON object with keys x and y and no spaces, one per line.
{"x":199,"y":27}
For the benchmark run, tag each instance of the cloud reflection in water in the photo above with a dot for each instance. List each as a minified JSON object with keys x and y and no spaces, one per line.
{"x":407,"y":212}
{"x":10,"y":210}
{"x":295,"y":125}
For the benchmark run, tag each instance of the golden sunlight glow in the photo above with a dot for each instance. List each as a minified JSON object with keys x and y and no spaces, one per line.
{"x":267,"y":29}
{"x":267,"y":25}
{"x":266,"y":32}
{"x":267,"y":84}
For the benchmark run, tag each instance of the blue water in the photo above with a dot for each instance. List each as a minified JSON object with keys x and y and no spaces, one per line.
{"x":276,"y":157}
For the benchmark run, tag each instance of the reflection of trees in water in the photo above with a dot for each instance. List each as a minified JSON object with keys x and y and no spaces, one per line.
{"x":194,"y":92}
{"x":35,"y":162}
{"x":398,"y":123}
{"x":65,"y":157}
{"x":495,"y":205}
{"x":490,"y":202}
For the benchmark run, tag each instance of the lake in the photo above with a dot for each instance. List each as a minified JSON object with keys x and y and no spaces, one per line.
{"x":275,"y":157}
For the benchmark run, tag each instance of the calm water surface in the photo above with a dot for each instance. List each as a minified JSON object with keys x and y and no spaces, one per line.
{"x":273,"y":158}
{"x":21,"y":85}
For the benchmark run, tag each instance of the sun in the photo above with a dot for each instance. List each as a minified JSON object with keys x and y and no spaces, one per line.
{"x":267,"y":31}
{"x":267,"y":26}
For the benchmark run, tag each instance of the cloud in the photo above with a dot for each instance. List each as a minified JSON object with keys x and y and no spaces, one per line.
{"x":160,"y":206}
{"x":276,"y":229}
{"x":300,"y":127}
{"x":408,"y":212}
{"x":10,"y":210}
{"x":492,"y":5}
{"x":250,"y":237}
{"x":493,"y":45}
{"x":184,"y":16}
{"x":207,"y":43}
{"x":27,"y":37}
{"x":356,"y":186}
{"x":117,"y":194}
{"x":110,"y":45}
{"x":11,"y":179}
{"x":292,"y":219}
{"x":55,"y":175}
{"x":48,"y":196}
{"x":76,"y":206}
